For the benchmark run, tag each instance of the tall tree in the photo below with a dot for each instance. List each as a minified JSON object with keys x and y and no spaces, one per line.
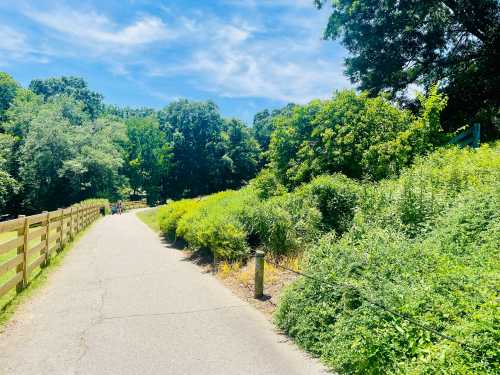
{"x":264,"y":124}
{"x":8,"y":91}
{"x":455,"y":43}
{"x":241,"y":155}
{"x":8,"y":185}
{"x":146,"y":154}
{"x":74,"y":87}
{"x":193,"y":130}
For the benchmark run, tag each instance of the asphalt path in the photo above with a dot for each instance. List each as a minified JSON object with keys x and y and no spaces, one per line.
{"x":122,"y":302}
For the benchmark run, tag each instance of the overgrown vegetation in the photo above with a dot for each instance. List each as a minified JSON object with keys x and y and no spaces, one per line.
{"x":425,"y":245}
{"x":394,"y":226}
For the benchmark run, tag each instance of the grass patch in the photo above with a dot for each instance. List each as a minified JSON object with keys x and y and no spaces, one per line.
{"x":10,"y":302}
{"x":150,"y":218}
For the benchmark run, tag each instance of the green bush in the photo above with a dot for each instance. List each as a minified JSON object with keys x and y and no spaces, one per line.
{"x":353,"y":134}
{"x":336,"y":197}
{"x":170,"y":214}
{"x":431,"y":251}
{"x":217,"y":224}
{"x":267,"y":184}
{"x":284,"y":224}
{"x":412,"y":203}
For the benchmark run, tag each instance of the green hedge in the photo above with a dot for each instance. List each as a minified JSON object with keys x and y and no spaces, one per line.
{"x":217,"y":224}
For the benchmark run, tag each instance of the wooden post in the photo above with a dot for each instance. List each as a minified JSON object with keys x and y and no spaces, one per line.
{"x":61,"y":234}
{"x":21,"y":249}
{"x":259,"y":274}
{"x":78,"y":219}
{"x":47,"y":234}
{"x":71,"y":227}
{"x":215,"y":265}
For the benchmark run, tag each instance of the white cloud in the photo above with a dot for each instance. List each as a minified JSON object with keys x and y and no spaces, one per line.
{"x":98,"y":31}
{"x":246,"y":52}
{"x":13,"y":42}
{"x":237,"y":59}
{"x":272,"y":3}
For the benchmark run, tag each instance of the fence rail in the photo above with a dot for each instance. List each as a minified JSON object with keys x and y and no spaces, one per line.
{"x":29,"y":241}
{"x":131,"y":205}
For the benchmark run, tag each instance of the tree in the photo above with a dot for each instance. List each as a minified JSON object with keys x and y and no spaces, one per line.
{"x":146,"y":154}
{"x":8,"y":91}
{"x":64,"y":157}
{"x":95,"y":168}
{"x":395,"y":44}
{"x":352,"y":134}
{"x":193,"y":131}
{"x":74,"y":87}
{"x":8,"y":185}
{"x":263,"y":124}
{"x":241,"y":155}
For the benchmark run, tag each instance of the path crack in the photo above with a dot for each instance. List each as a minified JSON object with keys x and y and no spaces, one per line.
{"x":187,"y":312}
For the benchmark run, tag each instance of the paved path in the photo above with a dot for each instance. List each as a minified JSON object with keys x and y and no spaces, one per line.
{"x":122,"y":303}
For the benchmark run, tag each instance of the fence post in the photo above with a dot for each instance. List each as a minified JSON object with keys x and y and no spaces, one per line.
{"x":71,"y":226}
{"x":78,"y":218}
{"x":61,"y":227}
{"x":47,"y":234}
{"x":259,"y":274}
{"x":21,"y":249}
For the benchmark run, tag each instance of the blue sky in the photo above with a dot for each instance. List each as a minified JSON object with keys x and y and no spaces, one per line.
{"x":245,"y":55}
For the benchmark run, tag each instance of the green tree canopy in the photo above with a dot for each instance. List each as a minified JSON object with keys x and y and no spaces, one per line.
{"x":241,"y":154}
{"x":352,"y":134}
{"x":74,"y":87}
{"x":65,"y":157}
{"x":146,"y":154}
{"x":455,"y":43}
{"x":8,"y":91}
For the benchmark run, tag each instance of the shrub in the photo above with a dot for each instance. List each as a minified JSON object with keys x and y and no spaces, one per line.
{"x":170,"y":214}
{"x":353,"y":134}
{"x":284,"y":224}
{"x":336,"y":197}
{"x":267,"y":185}
{"x":412,"y":203}
{"x":217,"y":223}
{"x":431,"y":251}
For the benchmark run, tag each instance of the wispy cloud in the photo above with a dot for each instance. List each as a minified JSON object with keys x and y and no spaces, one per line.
{"x":253,"y":49}
{"x":236,"y":58}
{"x":13,"y":42}
{"x":98,"y":31}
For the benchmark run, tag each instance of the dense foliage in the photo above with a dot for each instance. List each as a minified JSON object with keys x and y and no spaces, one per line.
{"x":396,"y":44}
{"x":353,"y":134}
{"x":60,"y":144}
{"x":425,"y":245}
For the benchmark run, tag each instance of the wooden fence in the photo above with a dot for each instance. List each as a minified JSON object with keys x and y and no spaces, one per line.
{"x":131,"y":205}
{"x":28,"y":241}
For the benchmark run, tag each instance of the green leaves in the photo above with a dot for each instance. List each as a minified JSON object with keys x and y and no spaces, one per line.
{"x":352,"y":134}
{"x":396,"y":44}
{"x":425,"y":245}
